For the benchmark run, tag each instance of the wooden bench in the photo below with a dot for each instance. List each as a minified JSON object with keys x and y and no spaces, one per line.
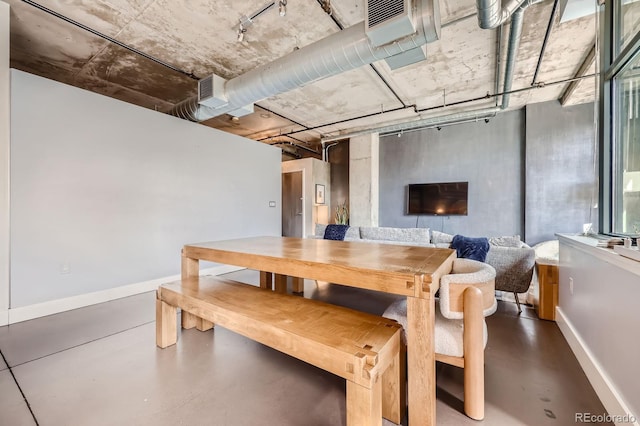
{"x":364,"y":349}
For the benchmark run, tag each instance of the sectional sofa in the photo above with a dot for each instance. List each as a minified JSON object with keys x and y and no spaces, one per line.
{"x":512,"y":258}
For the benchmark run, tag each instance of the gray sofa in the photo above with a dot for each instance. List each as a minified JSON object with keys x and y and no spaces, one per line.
{"x":512,"y":259}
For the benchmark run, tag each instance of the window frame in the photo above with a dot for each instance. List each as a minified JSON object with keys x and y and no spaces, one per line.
{"x":613,"y":63}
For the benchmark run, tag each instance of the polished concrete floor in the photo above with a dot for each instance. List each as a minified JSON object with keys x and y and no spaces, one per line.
{"x":99,"y":366}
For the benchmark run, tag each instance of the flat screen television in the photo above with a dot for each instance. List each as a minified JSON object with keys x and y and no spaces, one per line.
{"x":440,"y":199}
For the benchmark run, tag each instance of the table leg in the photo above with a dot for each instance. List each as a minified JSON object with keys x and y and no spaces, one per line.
{"x":421,"y":362}
{"x":266,"y":280}
{"x":280,"y":283}
{"x":191,"y":269}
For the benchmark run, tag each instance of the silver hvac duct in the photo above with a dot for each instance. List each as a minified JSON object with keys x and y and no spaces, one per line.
{"x":426,"y":122}
{"x":515,"y":34}
{"x":491,"y":13}
{"x":342,"y":51}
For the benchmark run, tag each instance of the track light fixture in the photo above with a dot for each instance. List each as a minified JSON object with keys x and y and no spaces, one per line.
{"x":246,"y":21}
{"x":241,"y":31}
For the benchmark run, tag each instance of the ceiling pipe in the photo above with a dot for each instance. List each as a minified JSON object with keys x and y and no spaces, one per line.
{"x":547,"y":34}
{"x":491,"y":13}
{"x":313,"y":151}
{"x":515,"y":34}
{"x":479,"y":114}
{"x":342,"y":51}
{"x":325,"y":150}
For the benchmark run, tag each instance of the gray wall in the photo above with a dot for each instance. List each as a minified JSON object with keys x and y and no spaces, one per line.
{"x":104,"y":193}
{"x":339,"y":159}
{"x":530,"y":172}
{"x":561,"y":176}
{"x":487,"y":155}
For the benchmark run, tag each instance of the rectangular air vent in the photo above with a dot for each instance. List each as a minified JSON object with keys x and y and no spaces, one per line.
{"x":381,"y":11}
{"x":388,"y":20}
{"x":205,"y":88}
{"x":211,"y":91}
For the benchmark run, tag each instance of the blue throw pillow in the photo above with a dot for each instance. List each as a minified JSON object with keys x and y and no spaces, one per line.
{"x":335,"y":232}
{"x":471,"y":248}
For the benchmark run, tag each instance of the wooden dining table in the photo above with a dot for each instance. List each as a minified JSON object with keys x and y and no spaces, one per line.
{"x":411,"y":271}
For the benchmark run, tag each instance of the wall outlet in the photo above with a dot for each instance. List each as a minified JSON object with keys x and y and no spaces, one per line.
{"x":65,"y":268}
{"x":571,"y":285}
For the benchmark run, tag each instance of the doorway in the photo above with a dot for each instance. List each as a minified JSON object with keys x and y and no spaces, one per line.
{"x":292,"y":205}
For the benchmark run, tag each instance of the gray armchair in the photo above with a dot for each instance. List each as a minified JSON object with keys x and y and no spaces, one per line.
{"x":514,"y":268}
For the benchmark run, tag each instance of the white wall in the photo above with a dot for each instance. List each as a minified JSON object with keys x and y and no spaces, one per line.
{"x":4,"y":163}
{"x":105,"y":193}
{"x":600,"y":319}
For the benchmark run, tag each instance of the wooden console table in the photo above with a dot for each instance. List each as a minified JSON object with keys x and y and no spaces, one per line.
{"x":410,"y":271}
{"x":548,"y":280}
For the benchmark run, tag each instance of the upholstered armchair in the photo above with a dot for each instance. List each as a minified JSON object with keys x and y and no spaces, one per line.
{"x":467,"y":296}
{"x":514,"y":266}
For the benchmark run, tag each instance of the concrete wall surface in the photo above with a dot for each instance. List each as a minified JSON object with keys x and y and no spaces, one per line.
{"x":561,"y":170}
{"x":487,"y":155}
{"x":531,"y":172}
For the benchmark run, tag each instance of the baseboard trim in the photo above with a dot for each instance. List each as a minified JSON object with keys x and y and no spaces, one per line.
{"x":51,"y":307}
{"x":605,"y":390}
{"x":4,"y":317}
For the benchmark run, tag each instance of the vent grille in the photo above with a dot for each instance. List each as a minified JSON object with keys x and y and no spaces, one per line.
{"x":205,"y":88}
{"x":381,"y":11}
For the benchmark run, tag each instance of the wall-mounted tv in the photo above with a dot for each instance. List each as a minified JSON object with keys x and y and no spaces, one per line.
{"x":441,"y":199}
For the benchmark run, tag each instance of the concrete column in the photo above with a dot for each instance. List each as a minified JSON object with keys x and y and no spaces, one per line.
{"x":364,"y":171}
{"x":4,"y":162}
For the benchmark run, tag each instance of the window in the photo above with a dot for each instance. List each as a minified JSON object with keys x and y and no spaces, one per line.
{"x":627,"y":23}
{"x":626,"y":213}
{"x":620,"y":119}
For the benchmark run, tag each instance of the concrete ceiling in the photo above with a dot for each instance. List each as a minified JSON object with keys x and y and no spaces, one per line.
{"x":198,"y":38}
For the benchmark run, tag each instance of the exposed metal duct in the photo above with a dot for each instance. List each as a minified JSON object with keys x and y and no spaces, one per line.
{"x":337,"y":53}
{"x":426,"y":122}
{"x":491,"y":13}
{"x":515,"y":34}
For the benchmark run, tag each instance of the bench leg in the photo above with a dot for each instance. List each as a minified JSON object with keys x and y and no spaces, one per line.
{"x":394,"y":388}
{"x":166,"y":327}
{"x":298,"y":285}
{"x":189,"y":321}
{"x":281,"y":283}
{"x":203,"y":325}
{"x":266,"y":280}
{"x":364,"y":406}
